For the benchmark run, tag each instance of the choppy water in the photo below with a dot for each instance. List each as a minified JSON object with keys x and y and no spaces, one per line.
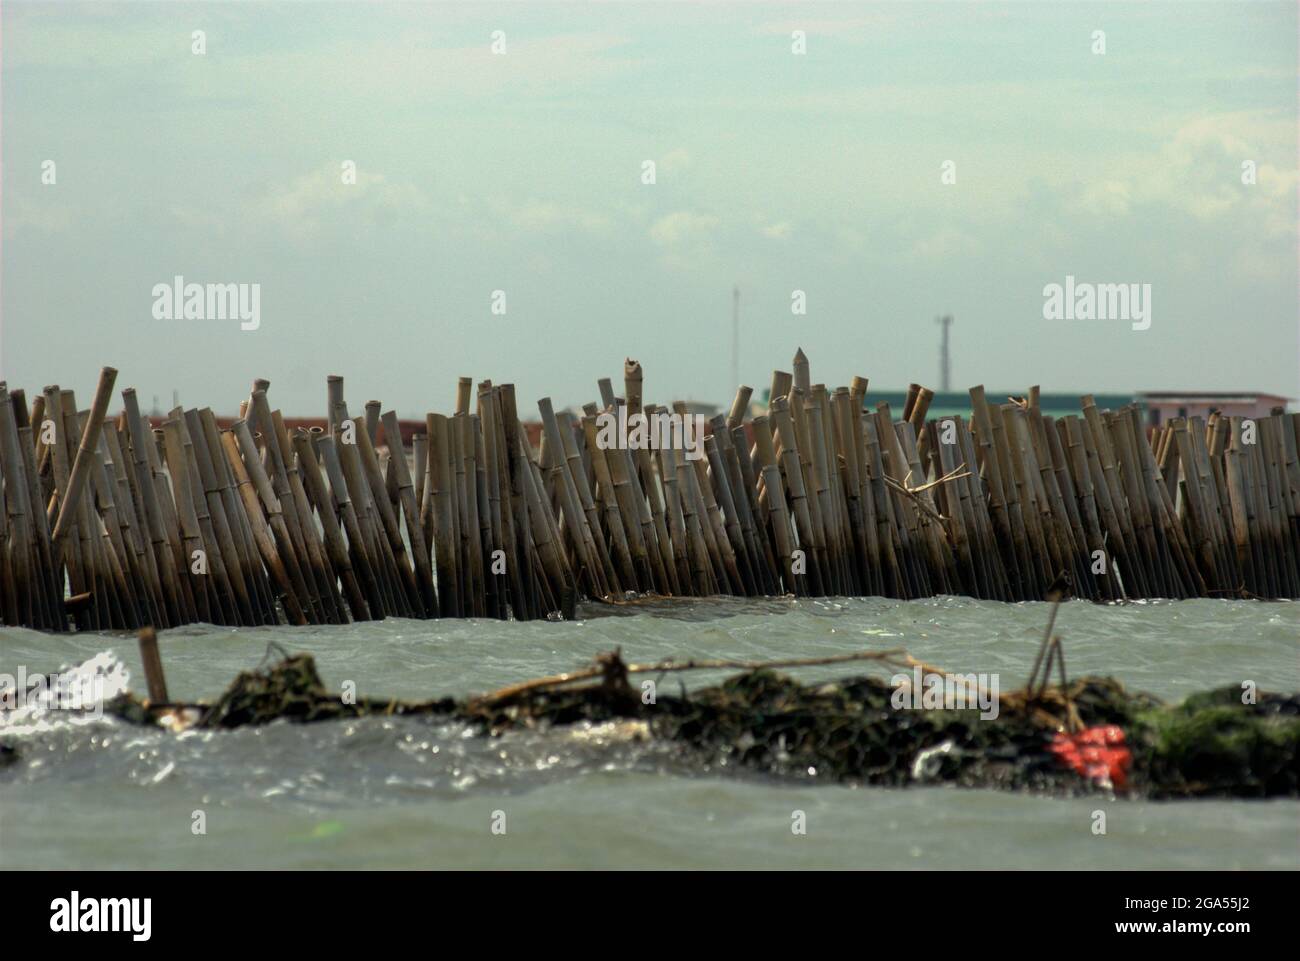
{"x":414,"y":793}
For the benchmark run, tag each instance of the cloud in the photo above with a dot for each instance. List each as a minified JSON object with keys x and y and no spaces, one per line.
{"x":674,"y":161}
{"x":845,"y":27}
{"x":1112,"y":197}
{"x":1196,"y":172}
{"x":321,"y":199}
{"x":409,"y":71}
{"x":339,"y":61}
{"x":47,"y":218}
{"x":1203,"y":167}
{"x":544,"y":216}
{"x":944,"y":244}
{"x":101,"y":37}
{"x":682,"y":228}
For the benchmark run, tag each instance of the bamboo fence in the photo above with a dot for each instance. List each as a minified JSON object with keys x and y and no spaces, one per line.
{"x":109,"y":523}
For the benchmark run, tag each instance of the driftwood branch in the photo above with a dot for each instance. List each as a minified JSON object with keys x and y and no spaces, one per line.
{"x":601,"y":668}
{"x":912,"y":492}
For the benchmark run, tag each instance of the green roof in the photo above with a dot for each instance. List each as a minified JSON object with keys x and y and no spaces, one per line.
{"x":957,"y":403}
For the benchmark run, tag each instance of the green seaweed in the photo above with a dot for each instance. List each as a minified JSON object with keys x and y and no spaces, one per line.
{"x":1213,"y":744}
{"x":845,"y":731}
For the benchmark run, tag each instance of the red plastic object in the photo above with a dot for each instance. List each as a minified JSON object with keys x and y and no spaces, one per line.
{"x":1097,"y":753}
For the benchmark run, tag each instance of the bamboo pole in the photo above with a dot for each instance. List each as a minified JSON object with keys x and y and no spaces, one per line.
{"x":22,"y":579}
{"x":587,"y":503}
{"x":473,"y":528}
{"x":80,"y":574}
{"x":85,"y":454}
{"x":801,"y":368}
{"x":255,"y":487}
{"x":53,"y":587}
{"x":807,"y":535}
{"x":149,"y":496}
{"x":313,"y":482}
{"x":748,"y":482}
{"x":801,"y":445}
{"x":325,"y":577}
{"x":496,"y":577}
{"x":886,"y":528}
{"x":651,"y":483}
{"x":575,"y":517}
{"x":514,"y":456}
{"x":411,"y":512}
{"x":194,"y":550}
{"x":624,"y":498}
{"x":410,"y":589}
{"x":155,"y":680}
{"x":512,"y":544}
{"x":363,"y":560}
{"x":194,"y":607}
{"x":459,"y":516}
{"x":114,"y":496}
{"x":420,"y":460}
{"x":758,"y":555}
{"x":209,"y":491}
{"x":555,"y":572}
{"x":731,"y":519}
{"x":739,"y":406}
{"x":261,"y":590}
{"x":705,"y":564}
{"x":491,"y":601}
{"x":449,"y":573}
{"x":710,"y":513}
{"x":632,"y":381}
{"x":675,"y":522}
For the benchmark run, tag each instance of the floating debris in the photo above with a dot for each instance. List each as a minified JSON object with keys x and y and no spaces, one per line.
{"x":849,"y":730}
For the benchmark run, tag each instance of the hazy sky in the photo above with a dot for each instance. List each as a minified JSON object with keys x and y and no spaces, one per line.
{"x":522,"y":172}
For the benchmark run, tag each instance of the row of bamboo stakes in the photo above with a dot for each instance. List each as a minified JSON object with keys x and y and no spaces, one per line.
{"x":110,"y":523}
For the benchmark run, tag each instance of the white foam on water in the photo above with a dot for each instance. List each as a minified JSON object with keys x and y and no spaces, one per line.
{"x":37,"y":703}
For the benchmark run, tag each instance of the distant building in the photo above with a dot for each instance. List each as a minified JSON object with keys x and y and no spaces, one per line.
{"x":705,"y":408}
{"x":1162,"y":405}
{"x":957,"y":403}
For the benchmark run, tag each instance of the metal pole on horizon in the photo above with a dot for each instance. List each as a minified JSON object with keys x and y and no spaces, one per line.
{"x":735,"y":339}
{"x":945,"y":360}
